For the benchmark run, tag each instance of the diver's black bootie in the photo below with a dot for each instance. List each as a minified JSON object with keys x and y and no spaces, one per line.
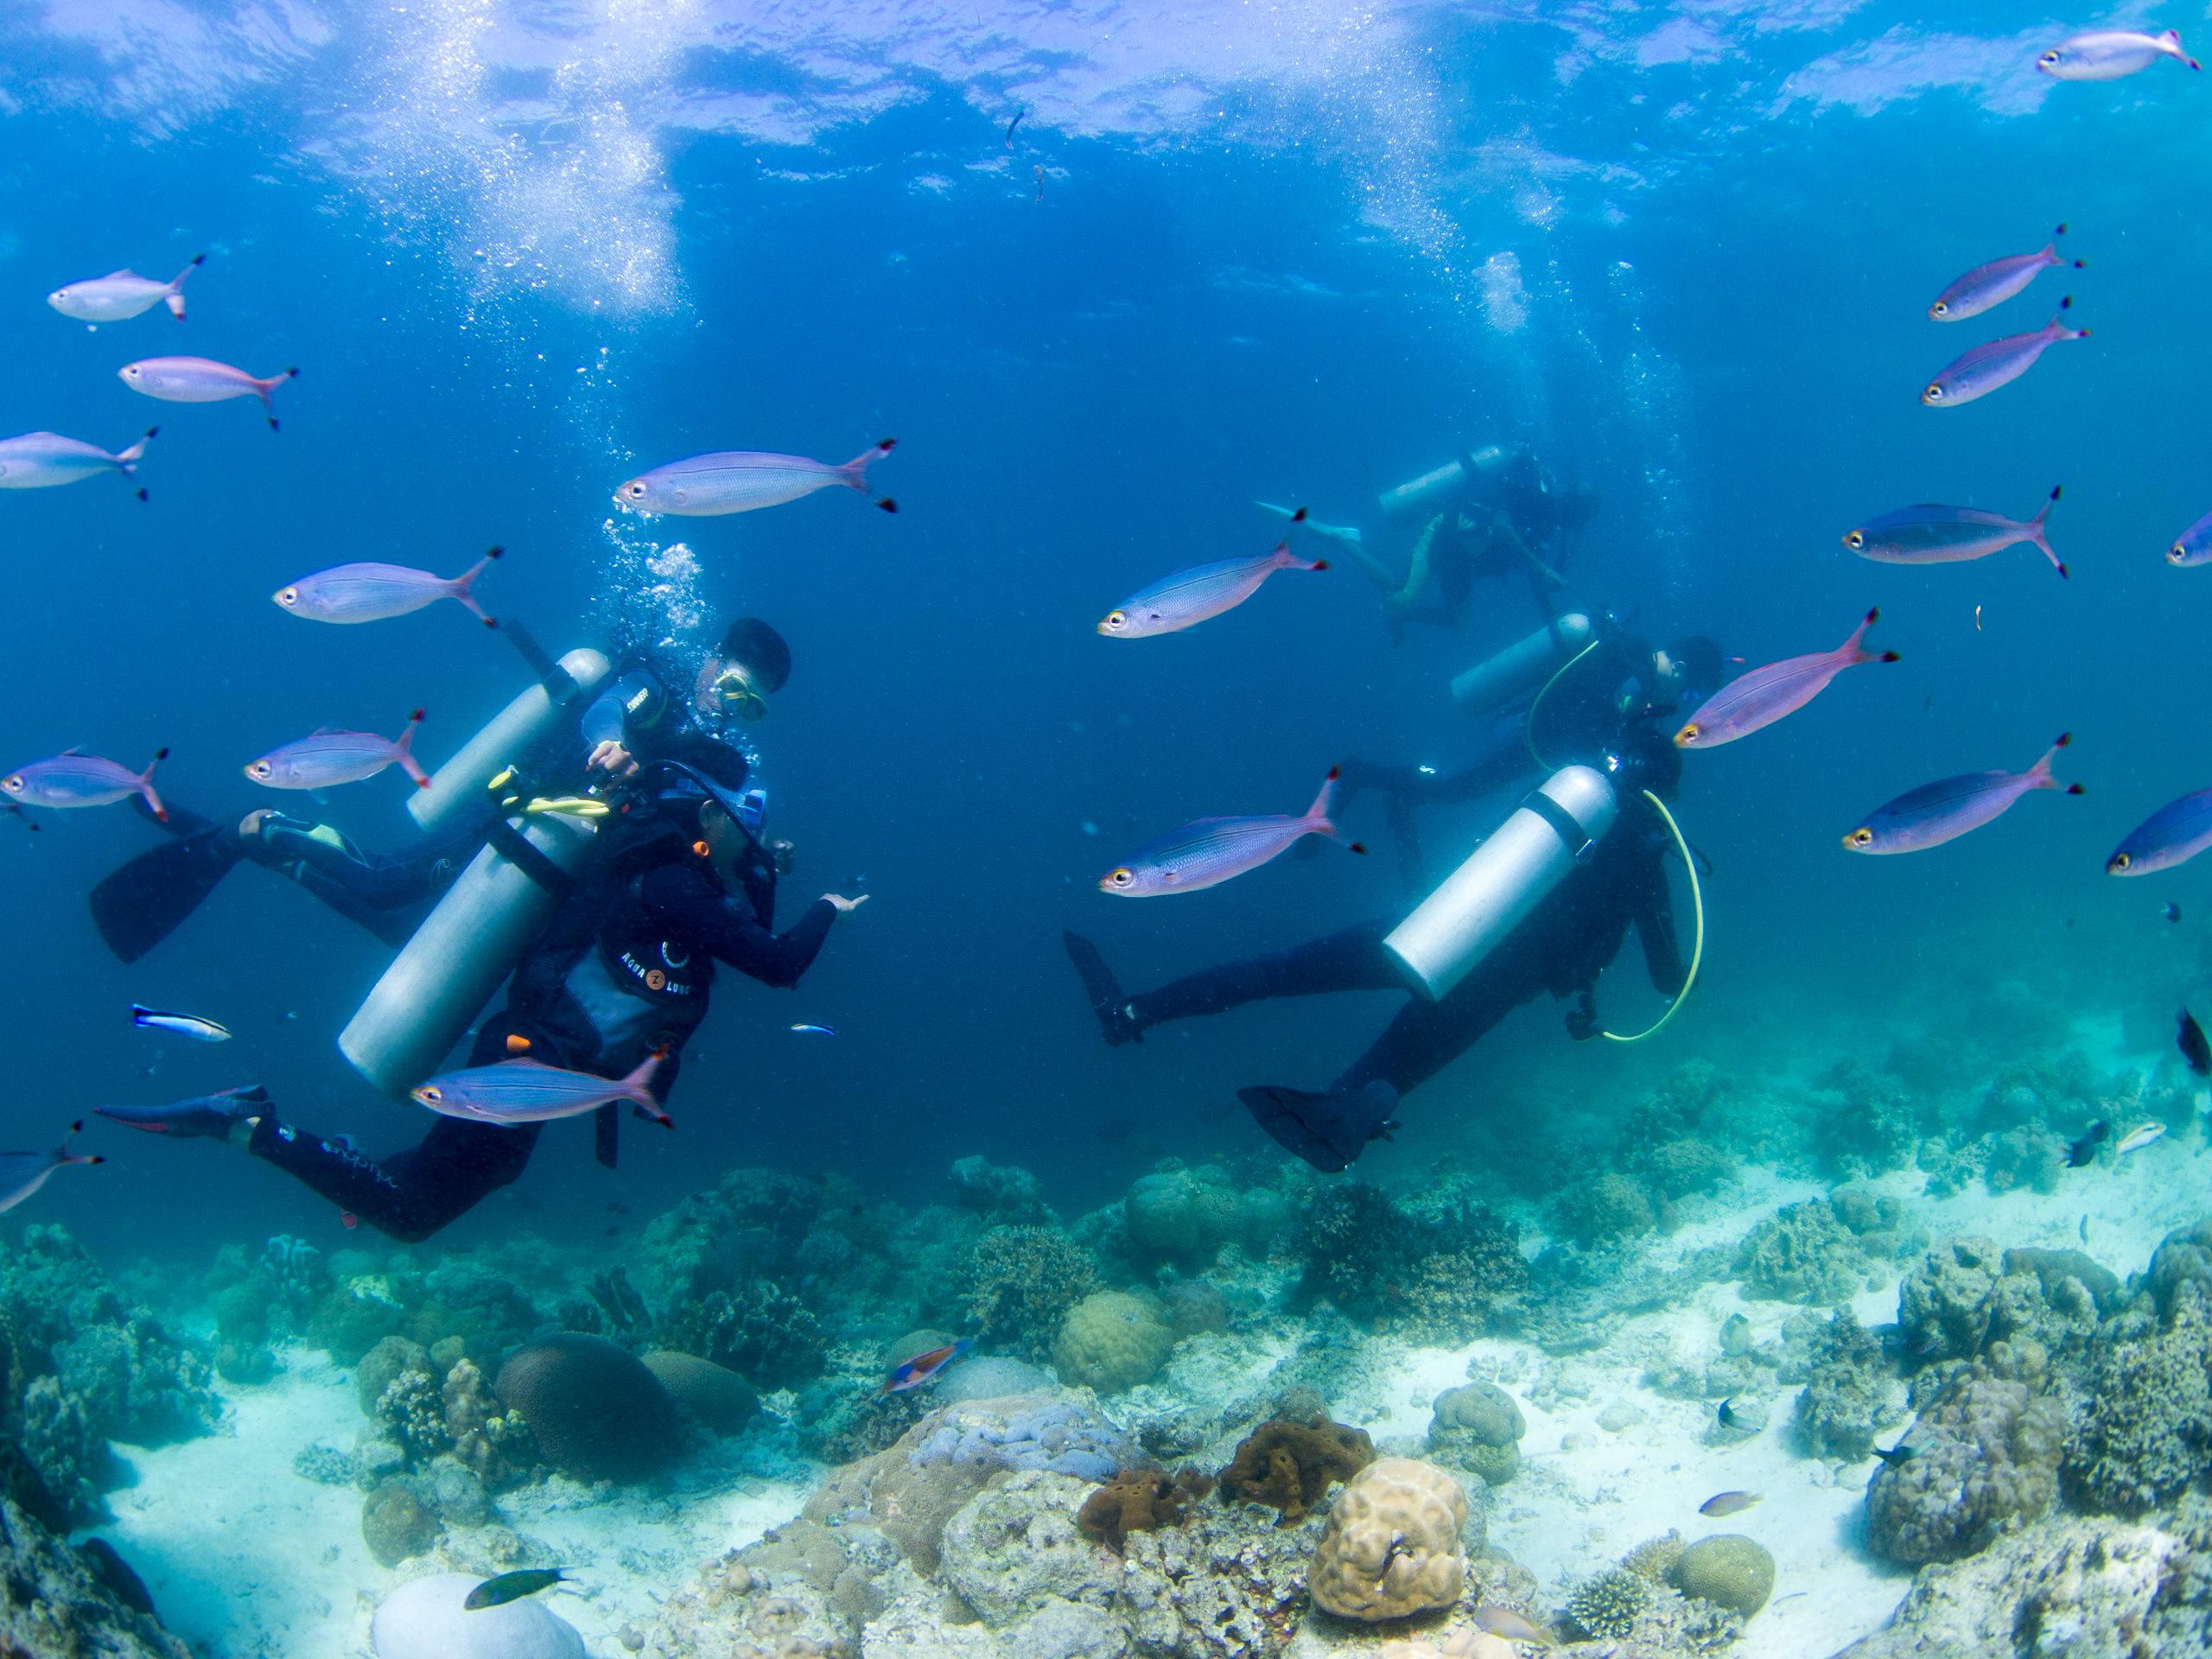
{"x":1328,"y":1131}
{"x":205,"y":1117}
{"x":1117,"y":1022}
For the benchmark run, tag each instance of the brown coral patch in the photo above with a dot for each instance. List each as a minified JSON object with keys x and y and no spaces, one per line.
{"x":1139,"y":1500}
{"x":1290,"y":1465}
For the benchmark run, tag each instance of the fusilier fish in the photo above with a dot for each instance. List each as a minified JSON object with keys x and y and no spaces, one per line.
{"x":1727,"y":1503}
{"x":328,"y":756}
{"x":2110,"y":54}
{"x":72,"y":778}
{"x":744,"y":480}
{"x":200,"y":380}
{"x":923,"y":1368}
{"x":513,"y":1586}
{"x":22,"y":1173}
{"x":1928,"y":534}
{"x":2173,"y":835}
{"x":371,"y":593}
{"x":1297,"y":516}
{"x":181,"y":1024}
{"x":2193,"y":546}
{"x":122,"y":294}
{"x":530,"y":1091}
{"x":1752,"y":701}
{"x":1213,"y":850}
{"x":2141,"y":1136}
{"x":39,"y":460}
{"x":1190,"y":597}
{"x":1944,"y":810}
{"x":1998,"y":362}
{"x":1992,"y":284}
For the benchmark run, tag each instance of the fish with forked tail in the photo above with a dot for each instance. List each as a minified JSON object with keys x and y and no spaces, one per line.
{"x":22,"y":1173}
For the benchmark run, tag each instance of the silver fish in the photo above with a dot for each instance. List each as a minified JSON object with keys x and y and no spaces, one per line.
{"x":1727,"y":1503}
{"x":181,"y":1025}
{"x":530,"y":1092}
{"x":2173,"y":835}
{"x":2140,"y":1136}
{"x":1927,"y":534}
{"x":1997,"y":363}
{"x":22,"y":1173}
{"x":744,"y":480}
{"x":71,"y":779}
{"x":328,"y":756}
{"x":200,"y":380}
{"x":122,"y":294}
{"x":1753,"y":701}
{"x":1213,"y":850}
{"x":2193,"y":546}
{"x":1198,"y":594}
{"x":371,"y":593}
{"x":39,"y":460}
{"x":2110,"y":54}
{"x":1989,"y":285}
{"x":1941,"y":811}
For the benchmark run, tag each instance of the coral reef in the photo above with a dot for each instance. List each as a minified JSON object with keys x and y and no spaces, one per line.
{"x":425,"y":1618}
{"x":1984,"y":1456}
{"x":1803,"y":1252}
{"x":1112,"y":1341}
{"x":63,"y":1602}
{"x":396,"y":1524}
{"x":1443,"y":1275}
{"x":1181,"y":1216}
{"x":2145,"y":1430}
{"x":1849,"y":1394}
{"x":999,"y":1193}
{"x":1726,"y":1569}
{"x":1021,"y":1282}
{"x":490,"y":1439}
{"x":1015,"y":1546}
{"x":1057,"y":1436}
{"x":760,"y":1330}
{"x":1392,"y":1547}
{"x":1290,"y":1465}
{"x":1138,"y":1500}
{"x":1478,"y":1426}
{"x":594,"y":1410}
{"x":721,"y":1400}
{"x":1609,"y":1208}
{"x":1607,"y":1605}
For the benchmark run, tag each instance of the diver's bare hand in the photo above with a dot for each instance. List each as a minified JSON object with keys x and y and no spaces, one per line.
{"x":843,"y":906}
{"x":613,"y":759}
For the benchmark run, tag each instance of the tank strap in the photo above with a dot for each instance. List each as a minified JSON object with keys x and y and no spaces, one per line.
{"x":517,"y":849}
{"x":1580,"y":841}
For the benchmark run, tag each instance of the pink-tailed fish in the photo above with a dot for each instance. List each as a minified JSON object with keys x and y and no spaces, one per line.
{"x":1753,"y":701}
{"x":371,"y":593}
{"x":744,"y":480}
{"x":1927,"y":534}
{"x":1214,"y":850}
{"x":200,"y":380}
{"x":2110,"y":54}
{"x":1190,"y":597}
{"x":530,"y":1092}
{"x":22,"y":1173}
{"x":328,"y":756}
{"x":2173,"y":835}
{"x":1944,"y":811}
{"x":923,"y":1368}
{"x":1998,"y":362}
{"x":72,"y":778}
{"x":122,"y":294}
{"x":2193,"y":546}
{"x":1989,"y":285}
{"x":39,"y":460}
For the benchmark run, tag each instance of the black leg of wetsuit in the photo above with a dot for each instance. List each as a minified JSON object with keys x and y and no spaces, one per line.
{"x":1425,"y":1037}
{"x":385,"y":894}
{"x":1349,"y":961}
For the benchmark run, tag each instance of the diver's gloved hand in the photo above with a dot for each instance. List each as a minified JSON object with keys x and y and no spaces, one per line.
{"x":1582,"y":1018}
{"x":214,"y":1117}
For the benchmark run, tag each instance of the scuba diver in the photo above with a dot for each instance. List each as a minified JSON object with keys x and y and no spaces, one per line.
{"x":1607,"y":873}
{"x":635,"y":719}
{"x":1497,"y":513}
{"x":677,"y":881}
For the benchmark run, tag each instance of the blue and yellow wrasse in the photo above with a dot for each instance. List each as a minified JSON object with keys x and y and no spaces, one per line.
{"x":923,"y":1368}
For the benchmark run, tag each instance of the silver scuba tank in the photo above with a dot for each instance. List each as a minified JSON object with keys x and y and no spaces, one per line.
{"x":458,"y":785}
{"x":1432,"y":487}
{"x":464,"y":949}
{"x":1522,"y":666}
{"x":1555,"y":829}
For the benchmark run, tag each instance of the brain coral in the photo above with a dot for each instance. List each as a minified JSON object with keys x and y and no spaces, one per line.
{"x":1111,"y":1341}
{"x":597,"y":1412}
{"x":1392,"y":1548}
{"x":721,"y":1399}
{"x":1728,"y":1570}
{"x":1478,"y":1427}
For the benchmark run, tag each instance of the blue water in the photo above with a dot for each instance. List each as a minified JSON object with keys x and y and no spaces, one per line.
{"x":1684,"y":251}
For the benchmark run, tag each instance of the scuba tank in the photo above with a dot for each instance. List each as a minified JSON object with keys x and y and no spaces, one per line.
{"x":1522,"y":666}
{"x":1555,"y":829}
{"x":1433,"y":488}
{"x":459,"y":784}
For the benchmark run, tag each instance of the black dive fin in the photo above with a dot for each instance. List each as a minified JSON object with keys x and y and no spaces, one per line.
{"x":1104,"y":990}
{"x":143,"y":903}
{"x":1328,"y":1131}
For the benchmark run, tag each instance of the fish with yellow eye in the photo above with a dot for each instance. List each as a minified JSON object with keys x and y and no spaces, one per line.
{"x":1944,"y":811}
{"x":2173,"y":835}
{"x":1998,"y":362}
{"x":1752,"y":702}
{"x":1928,"y":534}
{"x":1200,"y":593}
{"x":1992,"y":284}
{"x":530,"y":1092}
{"x":1214,"y":850}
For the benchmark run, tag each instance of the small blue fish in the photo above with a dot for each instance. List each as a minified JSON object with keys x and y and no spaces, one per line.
{"x":1932,"y":534}
{"x":39,"y":460}
{"x":1944,"y":810}
{"x":348,"y":594}
{"x":530,"y":1092}
{"x":72,"y":778}
{"x":2173,"y":835}
{"x":923,"y":1368}
{"x":2193,"y":546}
{"x":181,"y":1024}
{"x":816,"y":1031}
{"x":745,"y":480}
{"x":121,"y":295}
{"x":1199,"y":593}
{"x":329,"y":757}
{"x":1992,"y":284}
{"x":22,"y":1173}
{"x":1213,"y":850}
{"x":1997,"y":363}
{"x":200,"y":380}
{"x":2110,"y":54}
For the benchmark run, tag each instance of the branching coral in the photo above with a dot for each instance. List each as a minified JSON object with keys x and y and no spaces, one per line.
{"x":1607,"y":1606}
{"x":2145,"y":1433}
{"x":1445,"y":1274}
{"x":1848,"y":1392}
{"x":1021,"y":1282}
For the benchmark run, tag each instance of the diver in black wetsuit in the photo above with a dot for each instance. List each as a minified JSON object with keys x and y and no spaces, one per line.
{"x":1561,"y":947}
{"x":623,"y":969}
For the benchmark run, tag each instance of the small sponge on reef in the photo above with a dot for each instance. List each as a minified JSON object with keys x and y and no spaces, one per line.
{"x":1392,"y":1549}
{"x":597,"y":1412}
{"x":1290,"y":1465}
{"x":1139,"y":1500}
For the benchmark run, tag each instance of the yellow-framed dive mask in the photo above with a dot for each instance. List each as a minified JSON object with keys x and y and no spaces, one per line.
{"x":736,"y":694}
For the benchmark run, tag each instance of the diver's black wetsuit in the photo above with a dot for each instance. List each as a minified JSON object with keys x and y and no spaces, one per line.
{"x":623,"y":968}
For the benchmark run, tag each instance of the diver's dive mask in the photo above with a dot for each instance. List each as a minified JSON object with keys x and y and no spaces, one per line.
{"x":736,"y":695}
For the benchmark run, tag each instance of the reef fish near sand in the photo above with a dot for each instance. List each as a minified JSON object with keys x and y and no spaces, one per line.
{"x":1727,"y":1503}
{"x":513,"y":1586}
